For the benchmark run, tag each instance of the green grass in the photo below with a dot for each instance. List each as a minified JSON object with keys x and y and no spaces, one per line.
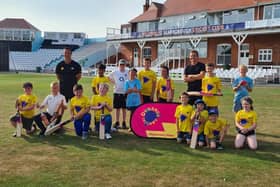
{"x":126,"y":160}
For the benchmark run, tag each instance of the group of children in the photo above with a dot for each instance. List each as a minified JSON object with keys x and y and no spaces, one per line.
{"x":132,"y":89}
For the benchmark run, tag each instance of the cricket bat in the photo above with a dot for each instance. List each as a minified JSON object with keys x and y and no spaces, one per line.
{"x":195,"y":133}
{"x":18,"y":125}
{"x":102,"y":126}
{"x":52,"y":127}
{"x":195,"y":93}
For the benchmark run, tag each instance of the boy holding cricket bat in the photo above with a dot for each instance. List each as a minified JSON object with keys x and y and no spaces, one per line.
{"x":211,"y":87}
{"x":79,"y":110}
{"x":165,"y":86}
{"x":215,"y":130}
{"x":183,"y":119}
{"x":25,"y":104}
{"x":102,"y":106}
{"x":201,"y":114}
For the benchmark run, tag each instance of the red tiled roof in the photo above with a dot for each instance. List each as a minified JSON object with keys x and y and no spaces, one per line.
{"x":16,"y":23}
{"x":177,"y":7}
{"x":153,"y":13}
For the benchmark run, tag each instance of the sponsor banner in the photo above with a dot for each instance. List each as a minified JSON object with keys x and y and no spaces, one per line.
{"x":155,"y":120}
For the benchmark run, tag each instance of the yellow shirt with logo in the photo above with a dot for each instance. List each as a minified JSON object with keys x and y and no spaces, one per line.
{"x":211,"y":85}
{"x":162,"y":87}
{"x":147,"y":77}
{"x":204,"y":115}
{"x":213,"y":129}
{"x":96,"y":100}
{"x":183,"y":115}
{"x":78,"y":104}
{"x":26,"y":101}
{"x":98,"y":80}
{"x":246,"y":119}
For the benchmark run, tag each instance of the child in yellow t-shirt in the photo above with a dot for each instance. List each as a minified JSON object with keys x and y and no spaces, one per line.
{"x":102,"y":104}
{"x":25,"y":104}
{"x":183,"y":119}
{"x":79,"y":109}
{"x":165,"y":86}
{"x":148,"y":81}
{"x":101,"y":78}
{"x":215,"y":130}
{"x":201,"y":114}
{"x":211,"y":85}
{"x":246,"y":124}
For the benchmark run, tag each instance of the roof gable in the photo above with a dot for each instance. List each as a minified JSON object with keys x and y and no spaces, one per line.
{"x":16,"y":23}
{"x":153,"y":13}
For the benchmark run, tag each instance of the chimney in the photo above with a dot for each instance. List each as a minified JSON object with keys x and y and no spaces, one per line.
{"x":146,"y":6}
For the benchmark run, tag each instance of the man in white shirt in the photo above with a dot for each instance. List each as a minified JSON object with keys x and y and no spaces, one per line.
{"x":118,"y":78}
{"x":56,"y":104}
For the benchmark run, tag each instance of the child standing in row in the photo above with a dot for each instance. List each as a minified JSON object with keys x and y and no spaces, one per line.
{"x":211,"y":85}
{"x":101,"y":78}
{"x":25,"y":104}
{"x":246,"y":124}
{"x":183,"y":119}
{"x":165,"y":86}
{"x":241,"y":87}
{"x":79,"y":109}
{"x":102,"y":104}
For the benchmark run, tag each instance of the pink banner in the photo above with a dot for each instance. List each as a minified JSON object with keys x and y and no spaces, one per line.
{"x":155,"y":120}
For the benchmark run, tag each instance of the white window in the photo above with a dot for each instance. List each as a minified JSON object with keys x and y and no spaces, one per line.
{"x":265,"y":55}
{"x":272,"y":11}
{"x":223,"y":54}
{"x":147,"y":52}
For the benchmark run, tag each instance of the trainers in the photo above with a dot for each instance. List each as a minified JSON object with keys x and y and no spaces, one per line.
{"x":108,"y":136}
{"x":113,"y":129}
{"x":117,"y":125}
{"x":219,"y":146}
{"x":124,"y":125}
{"x":14,"y":134}
{"x":85,"y":135}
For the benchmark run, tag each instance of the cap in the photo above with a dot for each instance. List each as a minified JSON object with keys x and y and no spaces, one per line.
{"x":199,"y":101}
{"x":133,"y":69}
{"x":122,"y":61}
{"x":213,"y":111}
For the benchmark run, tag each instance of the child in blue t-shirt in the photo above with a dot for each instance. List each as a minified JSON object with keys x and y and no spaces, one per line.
{"x":132,"y":89}
{"x":242,"y":85}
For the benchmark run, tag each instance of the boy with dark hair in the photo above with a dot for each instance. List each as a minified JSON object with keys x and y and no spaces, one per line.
{"x":101,"y":78}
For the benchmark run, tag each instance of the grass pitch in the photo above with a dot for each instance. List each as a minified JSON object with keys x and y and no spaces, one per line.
{"x":126,"y":160}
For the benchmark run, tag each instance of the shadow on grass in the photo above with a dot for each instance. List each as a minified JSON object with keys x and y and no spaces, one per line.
{"x":267,"y":151}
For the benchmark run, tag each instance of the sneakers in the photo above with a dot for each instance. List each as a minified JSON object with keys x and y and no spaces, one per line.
{"x":14,"y":134}
{"x":124,"y":125}
{"x":219,"y":146}
{"x":108,"y":136}
{"x":117,"y":125}
{"x":85,"y":135}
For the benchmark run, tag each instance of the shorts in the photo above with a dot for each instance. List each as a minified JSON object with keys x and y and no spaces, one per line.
{"x":193,"y":98}
{"x":201,"y":137}
{"x":184,"y":135}
{"x":161,"y":100}
{"x":26,"y":122}
{"x":147,"y":99}
{"x":119,"y":101}
{"x":249,"y":133}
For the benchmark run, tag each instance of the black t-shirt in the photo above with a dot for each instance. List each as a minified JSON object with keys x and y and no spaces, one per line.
{"x":67,"y":74}
{"x":194,"y":70}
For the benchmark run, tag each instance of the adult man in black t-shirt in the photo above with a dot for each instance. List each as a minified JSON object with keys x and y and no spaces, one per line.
{"x":193,"y":75}
{"x":68,"y":73}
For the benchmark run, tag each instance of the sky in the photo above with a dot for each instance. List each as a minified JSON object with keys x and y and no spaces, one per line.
{"x":89,"y":16}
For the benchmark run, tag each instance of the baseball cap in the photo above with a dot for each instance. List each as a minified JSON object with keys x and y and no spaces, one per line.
{"x":122,"y":61}
{"x":213,"y":111}
{"x":199,"y":101}
{"x":133,"y":69}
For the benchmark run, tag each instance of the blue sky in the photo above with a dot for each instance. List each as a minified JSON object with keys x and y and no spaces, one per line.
{"x":89,"y":16}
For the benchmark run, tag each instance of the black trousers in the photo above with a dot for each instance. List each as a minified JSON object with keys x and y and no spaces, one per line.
{"x":38,"y":120}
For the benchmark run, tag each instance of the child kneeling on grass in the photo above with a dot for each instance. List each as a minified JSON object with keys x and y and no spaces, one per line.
{"x":102,"y":104}
{"x":79,"y":108}
{"x":25,"y":104}
{"x":215,"y":130}
{"x":183,"y":119}
{"x":246,"y":124}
